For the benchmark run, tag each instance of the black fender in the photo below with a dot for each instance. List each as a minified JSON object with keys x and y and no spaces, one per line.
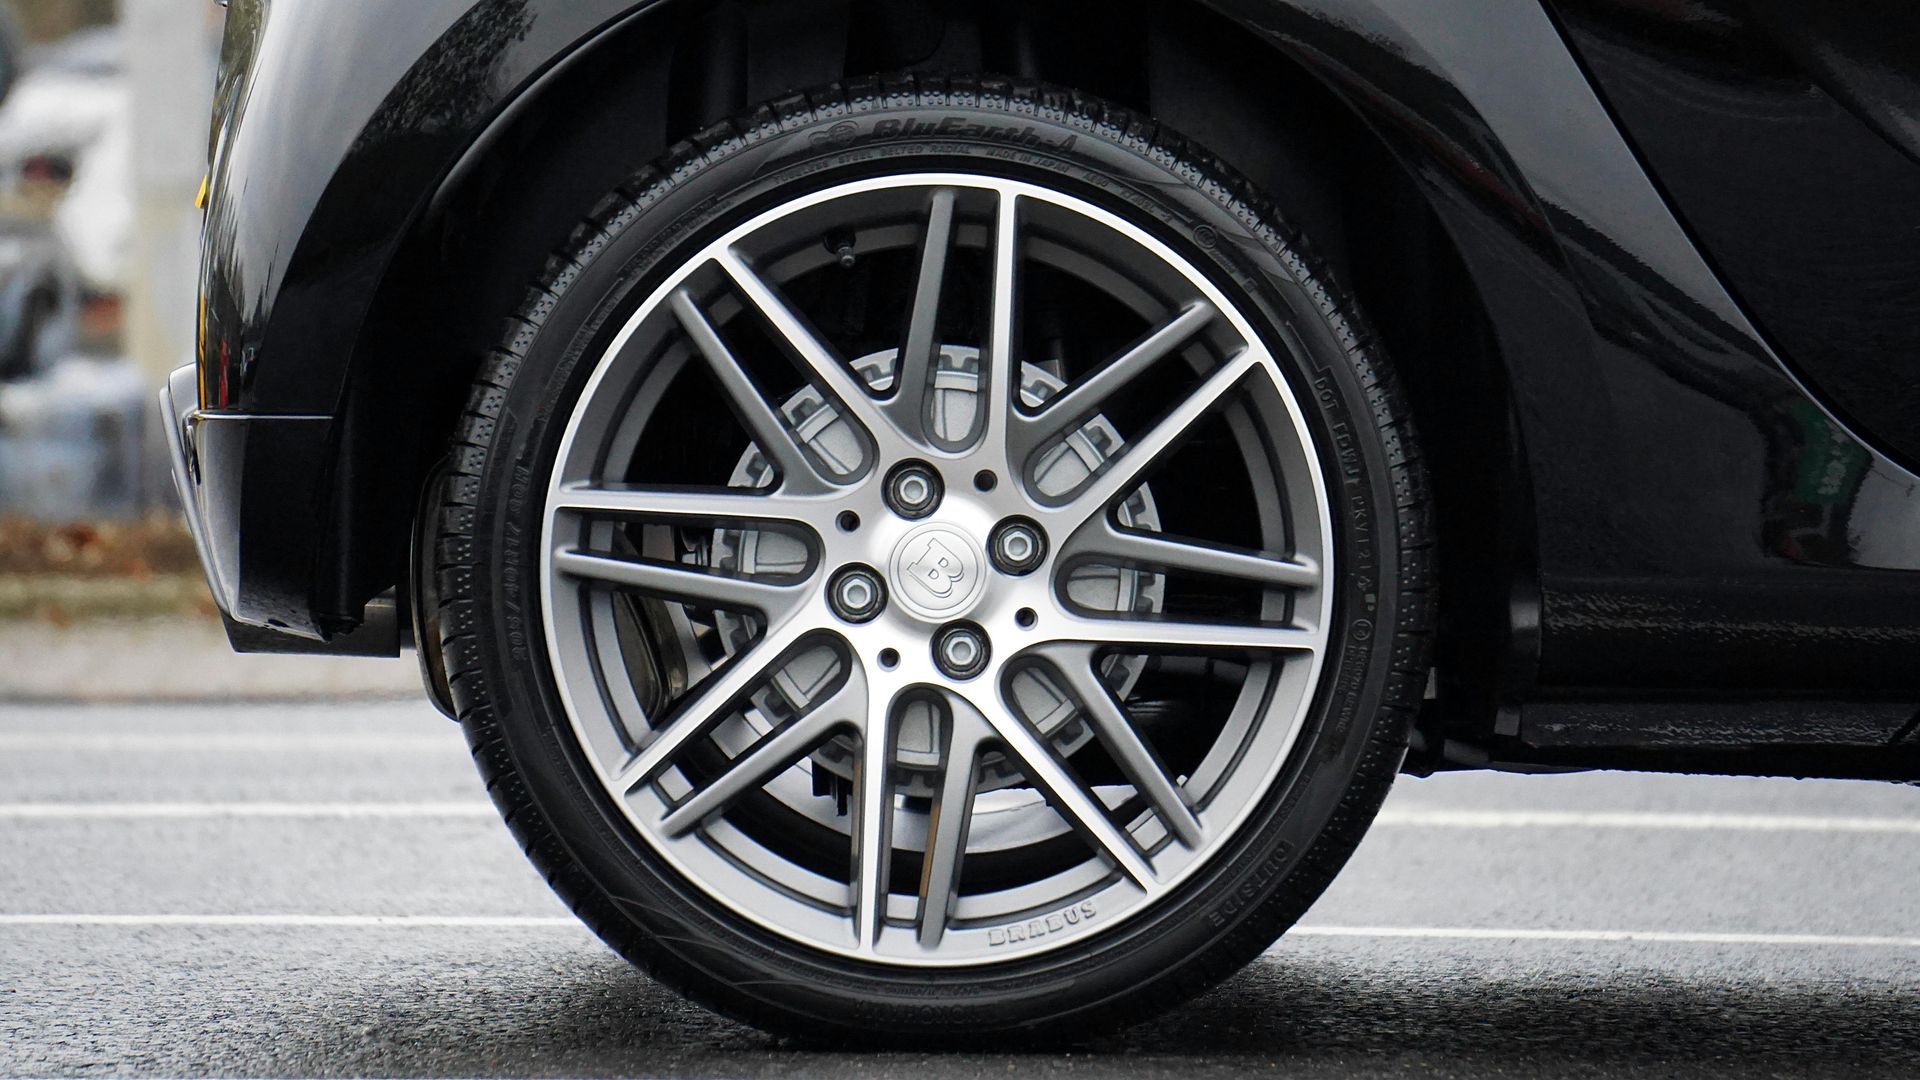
{"x":322,"y":157}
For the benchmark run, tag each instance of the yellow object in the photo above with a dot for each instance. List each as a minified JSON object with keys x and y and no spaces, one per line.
{"x":206,"y":188}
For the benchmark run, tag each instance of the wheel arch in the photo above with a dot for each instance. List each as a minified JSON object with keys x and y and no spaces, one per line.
{"x":661,"y":77}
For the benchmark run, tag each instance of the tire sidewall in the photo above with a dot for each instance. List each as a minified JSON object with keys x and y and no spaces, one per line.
{"x":1259,"y":883}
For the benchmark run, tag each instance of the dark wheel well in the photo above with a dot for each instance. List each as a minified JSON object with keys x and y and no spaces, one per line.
{"x":683,"y":65}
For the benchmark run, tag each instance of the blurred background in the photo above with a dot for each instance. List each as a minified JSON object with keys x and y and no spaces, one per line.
{"x":103,"y":146}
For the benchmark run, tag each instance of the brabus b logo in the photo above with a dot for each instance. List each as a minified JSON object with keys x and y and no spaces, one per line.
{"x":937,"y":569}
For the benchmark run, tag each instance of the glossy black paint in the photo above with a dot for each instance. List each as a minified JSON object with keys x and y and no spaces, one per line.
{"x":240,"y":465}
{"x":1788,"y":136}
{"x":1665,"y":441}
{"x":1693,"y":518}
{"x":324,"y":154}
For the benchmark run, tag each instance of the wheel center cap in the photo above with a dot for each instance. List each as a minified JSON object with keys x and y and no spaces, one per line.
{"x":937,"y":571}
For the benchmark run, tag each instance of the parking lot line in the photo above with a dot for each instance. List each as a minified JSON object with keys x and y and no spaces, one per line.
{"x":1391,"y":817}
{"x":1449,"y":818}
{"x":347,"y":922}
{"x":1665,"y":937}
{"x":224,"y":742}
{"x":114,"y":810}
{"x":561,"y":922}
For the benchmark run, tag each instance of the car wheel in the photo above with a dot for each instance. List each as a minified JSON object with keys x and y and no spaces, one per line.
{"x":936,"y":557}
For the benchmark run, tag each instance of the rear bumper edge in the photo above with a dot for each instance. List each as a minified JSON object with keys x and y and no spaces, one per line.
{"x":247,"y":486}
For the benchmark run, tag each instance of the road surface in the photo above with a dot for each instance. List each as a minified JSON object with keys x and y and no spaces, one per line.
{"x":320,"y":890}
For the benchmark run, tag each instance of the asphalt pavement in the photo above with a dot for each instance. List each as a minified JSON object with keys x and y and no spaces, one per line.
{"x":319,"y":889}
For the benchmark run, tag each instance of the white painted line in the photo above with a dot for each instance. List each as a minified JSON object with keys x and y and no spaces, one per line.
{"x":1672,"y":937}
{"x":228,"y":742}
{"x":1439,"y":818}
{"x":1392,"y":817}
{"x":562,"y":922}
{"x":45,"y":811}
{"x":350,"y":922}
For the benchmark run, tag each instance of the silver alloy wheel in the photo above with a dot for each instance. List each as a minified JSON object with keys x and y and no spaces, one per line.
{"x":681,"y":744}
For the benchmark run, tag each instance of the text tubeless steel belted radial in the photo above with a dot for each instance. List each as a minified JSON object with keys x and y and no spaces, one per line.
{"x":917,"y":582}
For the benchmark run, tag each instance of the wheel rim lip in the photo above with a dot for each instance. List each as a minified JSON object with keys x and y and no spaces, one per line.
{"x":1140,"y":902}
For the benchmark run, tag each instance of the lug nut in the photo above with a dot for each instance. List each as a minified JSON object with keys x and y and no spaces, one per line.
{"x":856,"y":594}
{"x":913,"y":490}
{"x":1017,"y":546}
{"x":960,"y":651}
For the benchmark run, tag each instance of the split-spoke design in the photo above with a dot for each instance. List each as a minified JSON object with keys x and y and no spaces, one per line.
{"x":708,"y":703}
{"x":1002,"y":387}
{"x":1181,"y":635}
{"x":677,"y":582}
{"x":1073,"y":800}
{"x":1100,"y":541}
{"x":1080,"y":402}
{"x":1074,"y":663}
{"x":873,"y":824}
{"x":967,"y":736}
{"x":1129,"y":469}
{"x":774,"y":751}
{"x":817,"y":358}
{"x":798,"y":472}
{"x":909,"y":404}
{"x":805,"y":665}
{"x":716,"y":507}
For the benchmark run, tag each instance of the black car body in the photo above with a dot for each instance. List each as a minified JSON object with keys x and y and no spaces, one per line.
{"x":946,"y":518}
{"x":1660,"y":262}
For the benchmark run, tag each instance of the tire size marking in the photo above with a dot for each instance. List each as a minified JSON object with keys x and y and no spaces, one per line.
{"x":1253,"y":887}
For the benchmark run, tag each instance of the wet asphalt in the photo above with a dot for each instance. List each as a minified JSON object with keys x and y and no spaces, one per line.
{"x":1586,"y":925}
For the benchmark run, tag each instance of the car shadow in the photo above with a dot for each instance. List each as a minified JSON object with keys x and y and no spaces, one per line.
{"x":1315,"y":1012}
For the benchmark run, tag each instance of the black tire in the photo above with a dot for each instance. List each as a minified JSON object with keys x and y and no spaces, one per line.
{"x":1309,"y":822}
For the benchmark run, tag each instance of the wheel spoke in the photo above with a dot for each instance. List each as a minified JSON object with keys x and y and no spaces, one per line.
{"x":873,"y":822}
{"x":949,"y":819}
{"x":770,"y":433}
{"x":1075,"y":665}
{"x":710,"y":702}
{"x":1100,"y":541}
{"x":715,"y":505}
{"x":768,"y":756}
{"x":1079,"y":402}
{"x":818,"y":361}
{"x":921,"y":346}
{"x":1001,"y":374}
{"x":1175,"y":635}
{"x":1074,"y":802}
{"x":674,"y":582}
{"x":1128,"y":470}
